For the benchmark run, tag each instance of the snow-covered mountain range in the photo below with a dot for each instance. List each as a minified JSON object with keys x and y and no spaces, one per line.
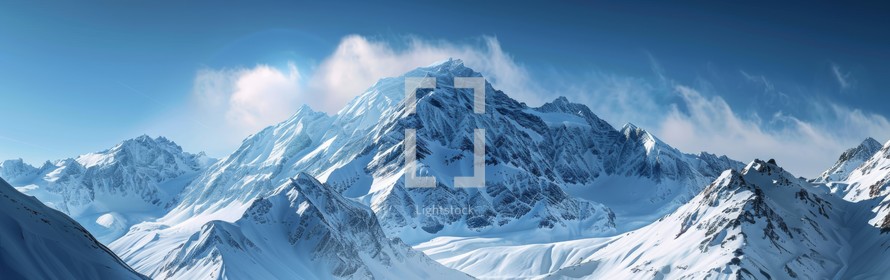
{"x":756,"y":223}
{"x":37,"y":242}
{"x":111,"y":190}
{"x":535,"y":159}
{"x":567,"y":195}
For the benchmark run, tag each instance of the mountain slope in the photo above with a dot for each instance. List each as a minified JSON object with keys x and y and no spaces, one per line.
{"x":871,"y":178}
{"x":110,"y":190}
{"x":761,"y":223}
{"x":304,"y":230}
{"x":37,"y":242}
{"x":870,"y":183}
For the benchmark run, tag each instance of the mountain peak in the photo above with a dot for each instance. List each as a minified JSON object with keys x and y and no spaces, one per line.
{"x":633,"y":132}
{"x":449,"y":63}
{"x":304,"y":112}
{"x":563,"y":105}
{"x":768,"y":169}
{"x":15,"y":170}
{"x":870,"y":142}
{"x":447,"y":68}
{"x":867,"y":148}
{"x":303,"y":176}
{"x":850,"y":160}
{"x":631,"y":127}
{"x":306,"y":185}
{"x":148,"y":141}
{"x":141,"y":148}
{"x":12,"y":162}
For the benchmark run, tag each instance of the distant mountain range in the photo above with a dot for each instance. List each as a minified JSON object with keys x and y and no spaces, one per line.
{"x":109,"y":191}
{"x":37,"y":242}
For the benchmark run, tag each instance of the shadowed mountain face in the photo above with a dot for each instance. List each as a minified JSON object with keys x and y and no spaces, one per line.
{"x":37,"y":242}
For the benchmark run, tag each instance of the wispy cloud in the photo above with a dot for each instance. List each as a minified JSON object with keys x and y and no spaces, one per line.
{"x":844,"y":79}
{"x":759,"y":80}
{"x":697,"y":117}
{"x":768,"y":90}
{"x":709,"y":123}
{"x":26,"y":143}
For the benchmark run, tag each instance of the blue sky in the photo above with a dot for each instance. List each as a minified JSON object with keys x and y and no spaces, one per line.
{"x":798,"y":81}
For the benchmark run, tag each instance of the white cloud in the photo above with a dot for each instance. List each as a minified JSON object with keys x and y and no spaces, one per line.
{"x":264,"y":94}
{"x":248,"y":99}
{"x":845,"y":80}
{"x":803,"y":147}
{"x":227,"y":105}
{"x":358,"y":63}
